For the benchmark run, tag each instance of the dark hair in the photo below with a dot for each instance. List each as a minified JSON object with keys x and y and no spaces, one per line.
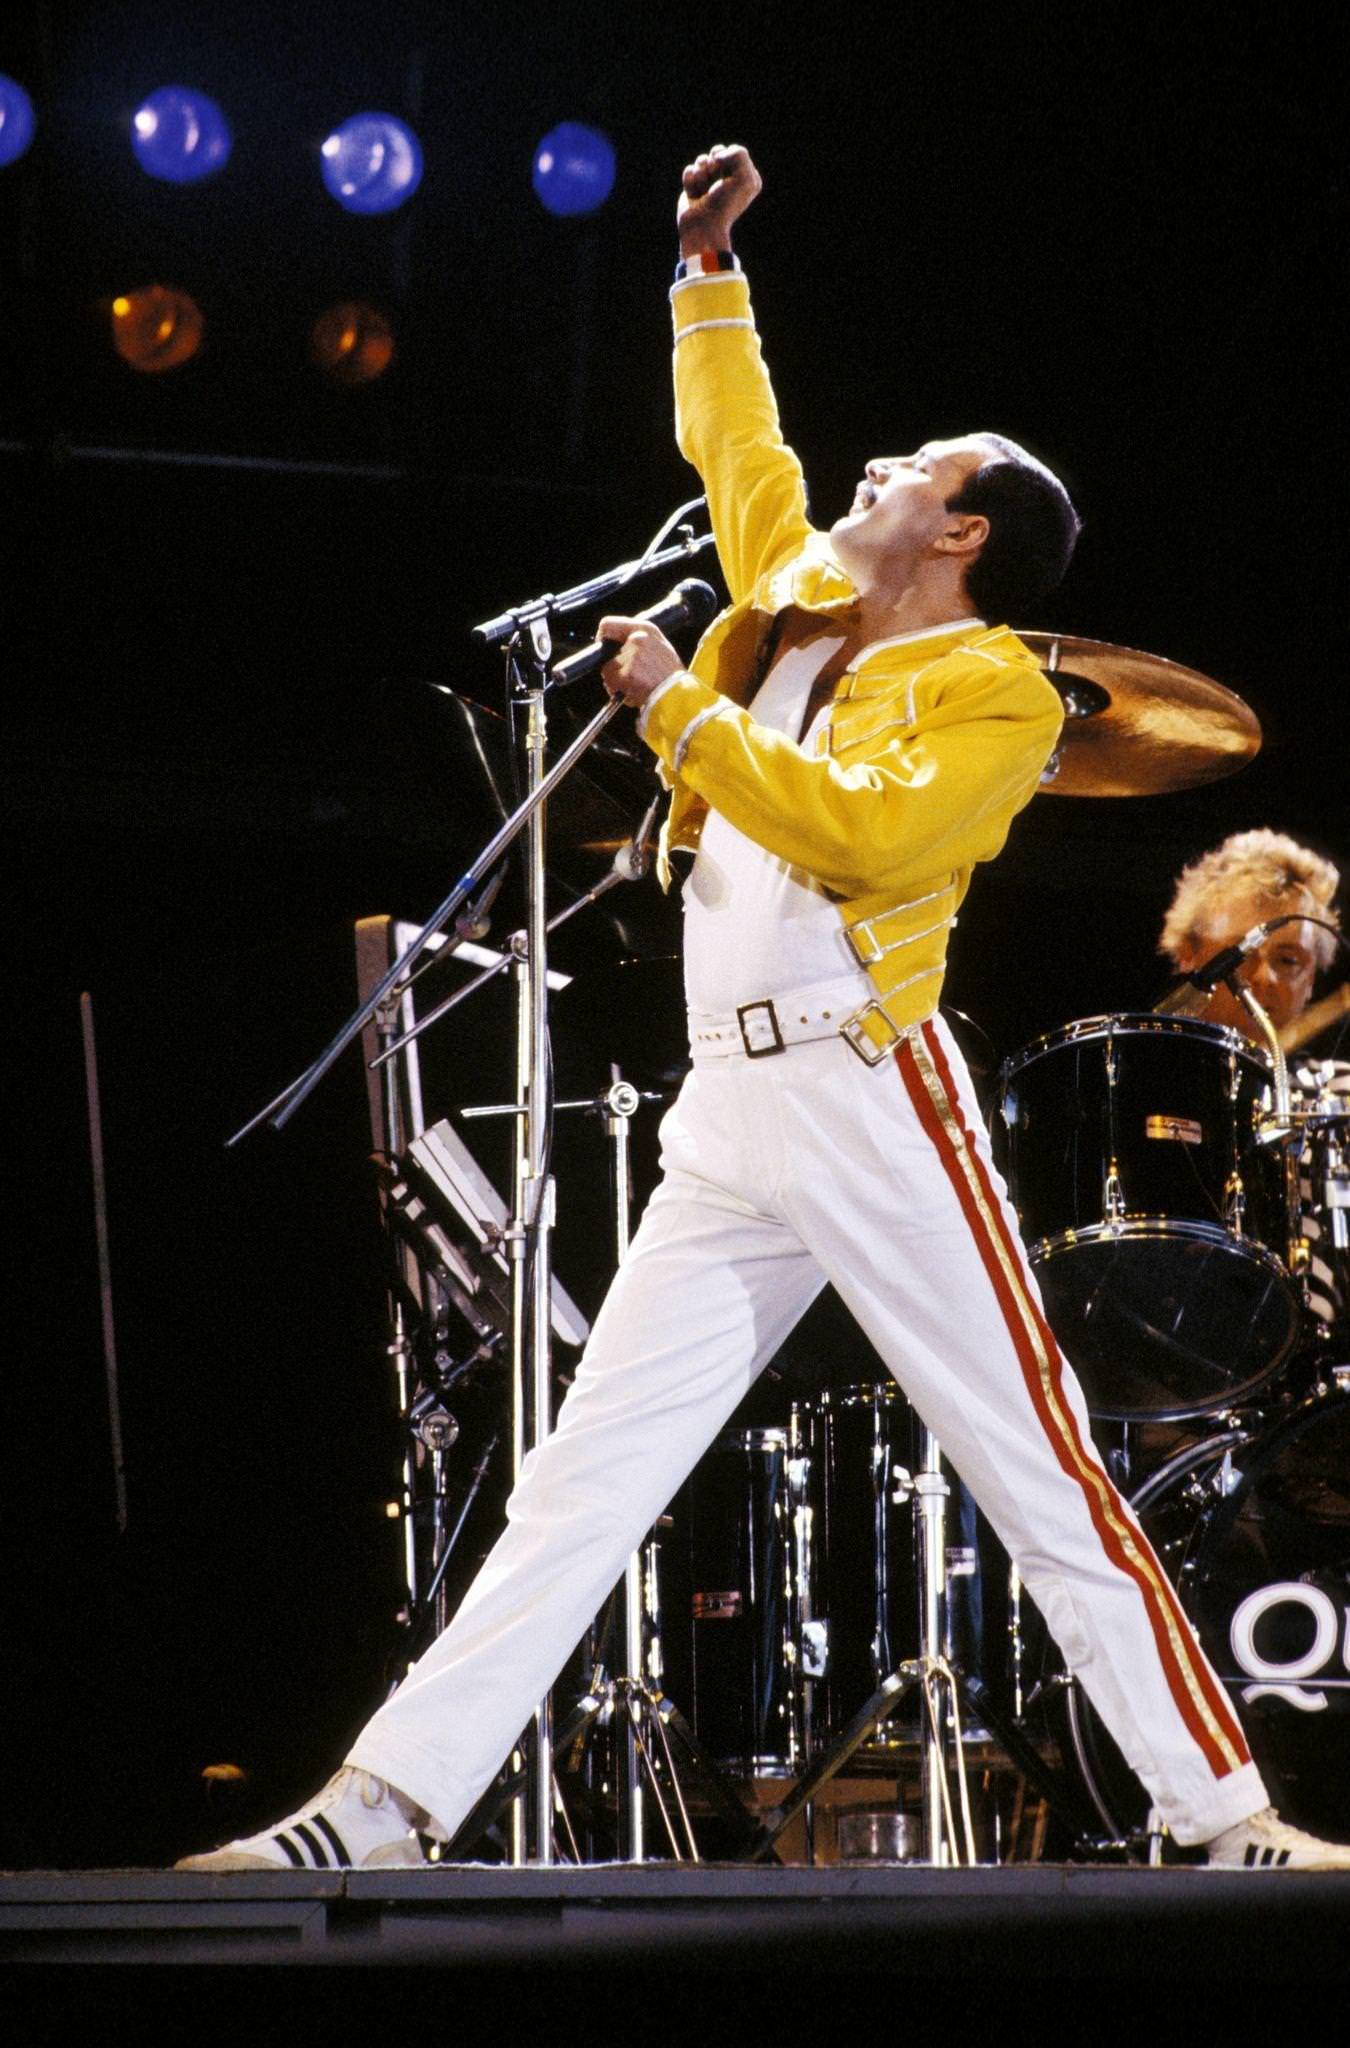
{"x":1032,"y":530}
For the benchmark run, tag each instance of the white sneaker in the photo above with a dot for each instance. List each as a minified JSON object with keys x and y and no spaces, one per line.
{"x":357,"y":1822}
{"x":1264,"y":1842}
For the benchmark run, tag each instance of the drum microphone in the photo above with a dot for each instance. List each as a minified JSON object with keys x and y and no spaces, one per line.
{"x":1221,"y":966}
{"x":691,"y":603}
{"x":1211,"y":972}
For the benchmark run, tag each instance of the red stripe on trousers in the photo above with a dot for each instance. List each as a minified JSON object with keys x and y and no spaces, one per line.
{"x":998,"y":1278}
{"x":1203,"y":1677}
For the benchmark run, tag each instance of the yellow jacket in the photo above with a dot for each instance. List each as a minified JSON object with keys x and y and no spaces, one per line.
{"x":931,"y":747}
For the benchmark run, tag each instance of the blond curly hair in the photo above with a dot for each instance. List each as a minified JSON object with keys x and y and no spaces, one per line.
{"x":1271,"y":866}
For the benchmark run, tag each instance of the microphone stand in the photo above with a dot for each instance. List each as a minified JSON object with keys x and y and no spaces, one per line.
{"x":630,"y":864}
{"x":530,"y":620}
{"x":527,"y":1244}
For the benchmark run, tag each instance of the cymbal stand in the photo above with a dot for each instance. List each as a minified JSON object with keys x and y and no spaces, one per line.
{"x":399,"y":1346}
{"x":938,"y":1680}
{"x":670,"y":1735}
{"x":621,"y":1105}
{"x":648,"y":1718}
{"x":631,"y":1700}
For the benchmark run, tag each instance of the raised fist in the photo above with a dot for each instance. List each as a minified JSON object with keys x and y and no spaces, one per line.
{"x":717,"y":188}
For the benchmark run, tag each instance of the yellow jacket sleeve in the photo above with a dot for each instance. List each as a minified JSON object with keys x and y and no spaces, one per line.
{"x":726,"y":423}
{"x":938,"y":797}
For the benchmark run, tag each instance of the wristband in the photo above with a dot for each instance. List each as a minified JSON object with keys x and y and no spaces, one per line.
{"x":706,"y":263}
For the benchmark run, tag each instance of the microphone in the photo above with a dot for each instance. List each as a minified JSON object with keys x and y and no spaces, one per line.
{"x":1219,"y":966}
{"x":691,"y":603}
{"x":1212,"y":972}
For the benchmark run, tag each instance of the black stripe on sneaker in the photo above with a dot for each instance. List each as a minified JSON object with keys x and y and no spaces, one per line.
{"x":313,"y":1844}
{"x":334,"y":1840}
{"x":1283,"y":1858}
{"x":1250,"y":1854}
{"x":285,"y":1842}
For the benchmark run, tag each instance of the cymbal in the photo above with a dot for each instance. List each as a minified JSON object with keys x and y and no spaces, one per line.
{"x":1138,"y":724}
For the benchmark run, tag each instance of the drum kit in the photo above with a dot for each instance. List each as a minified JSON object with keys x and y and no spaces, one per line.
{"x":822,"y":1603}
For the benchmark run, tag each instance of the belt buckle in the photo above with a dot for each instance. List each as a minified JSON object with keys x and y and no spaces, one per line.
{"x":857,"y":1040}
{"x":759,"y":1052}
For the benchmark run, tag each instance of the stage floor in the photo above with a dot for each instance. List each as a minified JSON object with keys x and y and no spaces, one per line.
{"x":1067,"y":1921}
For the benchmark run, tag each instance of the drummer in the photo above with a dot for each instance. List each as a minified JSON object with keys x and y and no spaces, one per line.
{"x":1250,"y":878}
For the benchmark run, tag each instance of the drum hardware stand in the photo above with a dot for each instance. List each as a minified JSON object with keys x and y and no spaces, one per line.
{"x":658,"y":1736}
{"x":432,"y":1605}
{"x":670,"y":1741}
{"x":944,"y":1688}
{"x":1282,"y":1128}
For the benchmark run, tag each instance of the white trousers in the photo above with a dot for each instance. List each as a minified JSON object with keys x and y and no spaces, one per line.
{"x":778,"y":1175}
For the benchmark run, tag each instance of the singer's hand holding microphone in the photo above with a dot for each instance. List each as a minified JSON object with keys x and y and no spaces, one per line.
{"x":644,"y":661}
{"x":633,"y":654}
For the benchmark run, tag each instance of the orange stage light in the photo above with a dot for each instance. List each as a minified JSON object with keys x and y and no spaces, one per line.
{"x":157,"y":327}
{"x":351,"y":343}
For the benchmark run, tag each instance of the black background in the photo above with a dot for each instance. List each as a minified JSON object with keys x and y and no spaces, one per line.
{"x":1115,"y":233}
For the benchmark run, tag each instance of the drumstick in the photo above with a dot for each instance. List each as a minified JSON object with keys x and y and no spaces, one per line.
{"x":1316,"y":1018}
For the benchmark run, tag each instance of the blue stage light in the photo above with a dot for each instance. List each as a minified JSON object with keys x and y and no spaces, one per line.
{"x":180,"y":135}
{"x":574,"y":169}
{"x":17,"y":120}
{"x":372,"y":163}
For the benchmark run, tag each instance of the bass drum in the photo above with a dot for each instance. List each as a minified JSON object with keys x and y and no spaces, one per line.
{"x":1154,"y":1216}
{"x":1254,"y":1529}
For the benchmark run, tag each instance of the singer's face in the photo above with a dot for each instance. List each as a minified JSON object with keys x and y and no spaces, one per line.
{"x":900,"y":505}
{"x":1280,"y":973}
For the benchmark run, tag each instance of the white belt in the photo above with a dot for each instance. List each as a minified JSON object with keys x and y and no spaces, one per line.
{"x":771,"y":1024}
